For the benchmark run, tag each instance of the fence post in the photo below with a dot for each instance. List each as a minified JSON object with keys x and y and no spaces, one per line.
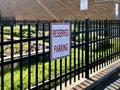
{"x":87,"y":24}
{"x":119,"y":39}
{"x":106,"y":28}
{"x":0,"y":17}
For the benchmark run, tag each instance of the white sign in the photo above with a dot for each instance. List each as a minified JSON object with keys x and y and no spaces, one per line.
{"x":60,"y":40}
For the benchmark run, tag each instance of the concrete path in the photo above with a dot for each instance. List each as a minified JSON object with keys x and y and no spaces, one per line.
{"x":112,"y":83}
{"x":106,"y":79}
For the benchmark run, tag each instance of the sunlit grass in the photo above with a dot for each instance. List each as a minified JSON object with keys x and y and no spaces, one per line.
{"x":7,"y":73}
{"x":95,"y":55}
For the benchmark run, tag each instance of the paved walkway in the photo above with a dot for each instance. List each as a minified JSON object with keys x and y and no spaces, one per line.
{"x":110,"y":78}
{"x":112,"y":83}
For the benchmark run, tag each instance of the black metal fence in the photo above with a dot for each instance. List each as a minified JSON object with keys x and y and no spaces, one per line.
{"x":25,"y":53}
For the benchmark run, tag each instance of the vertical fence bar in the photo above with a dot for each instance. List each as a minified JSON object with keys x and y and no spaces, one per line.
{"x":102,"y":37}
{"x":70,"y":54}
{"x":65,"y":72}
{"x":116,"y":39}
{"x":102,"y":43}
{"x":110,"y":35}
{"x":87,"y":49}
{"x":2,"y":59}
{"x":112,"y":40}
{"x":79,"y":49}
{"x":97,"y":42}
{"x":29,"y":55}
{"x":109,"y":40}
{"x":21,"y":57}
{"x":36,"y":26}
{"x":75,"y":49}
{"x":43,"y":67}
{"x":49,"y":60}
{"x":95,"y":54}
{"x":83,"y":61}
{"x":119,"y":38}
{"x":94,"y":44}
{"x":107,"y":43}
{"x":60,"y":74}
{"x":12,"y":50}
{"x":55,"y":75}
{"x":91,"y":37}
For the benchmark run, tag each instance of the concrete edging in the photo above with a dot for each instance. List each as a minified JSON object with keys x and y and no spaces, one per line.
{"x":106,"y":76}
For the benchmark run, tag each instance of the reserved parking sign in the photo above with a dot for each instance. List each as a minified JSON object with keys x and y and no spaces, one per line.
{"x":59,"y":40}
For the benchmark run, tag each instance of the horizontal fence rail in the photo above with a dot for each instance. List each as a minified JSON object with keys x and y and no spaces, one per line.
{"x":25,"y":53}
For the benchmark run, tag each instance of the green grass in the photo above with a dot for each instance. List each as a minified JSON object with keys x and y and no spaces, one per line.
{"x":16,"y":31}
{"x":7,"y":73}
{"x":16,"y":36}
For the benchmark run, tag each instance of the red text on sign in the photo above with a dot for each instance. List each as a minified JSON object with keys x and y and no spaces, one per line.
{"x":60,"y":48}
{"x":60,"y":33}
